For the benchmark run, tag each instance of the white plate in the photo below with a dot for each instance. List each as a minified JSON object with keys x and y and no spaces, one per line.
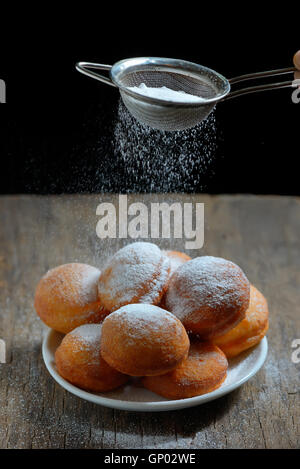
{"x":134,"y":398}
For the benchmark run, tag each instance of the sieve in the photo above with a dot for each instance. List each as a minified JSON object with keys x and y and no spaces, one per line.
{"x":177,"y":75}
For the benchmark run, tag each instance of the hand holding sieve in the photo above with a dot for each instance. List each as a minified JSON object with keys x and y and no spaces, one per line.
{"x":179,"y":75}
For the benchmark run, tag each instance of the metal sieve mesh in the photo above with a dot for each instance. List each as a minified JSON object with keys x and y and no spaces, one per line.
{"x":167,"y":118}
{"x":175,"y":75}
{"x":171,"y":80}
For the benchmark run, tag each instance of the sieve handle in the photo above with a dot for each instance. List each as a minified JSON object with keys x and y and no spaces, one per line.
{"x":269,"y":73}
{"x":83,"y":67}
{"x":265,"y":87}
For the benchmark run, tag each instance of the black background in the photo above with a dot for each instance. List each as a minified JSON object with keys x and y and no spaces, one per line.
{"x":55,"y":118}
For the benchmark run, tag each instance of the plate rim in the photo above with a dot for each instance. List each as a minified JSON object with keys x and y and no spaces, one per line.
{"x":156,"y":406}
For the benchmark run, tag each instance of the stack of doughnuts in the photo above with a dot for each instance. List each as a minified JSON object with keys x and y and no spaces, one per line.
{"x":159,"y":315}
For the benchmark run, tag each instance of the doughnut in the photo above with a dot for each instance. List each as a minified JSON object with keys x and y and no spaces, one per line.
{"x":67,"y":297}
{"x":176,"y":259}
{"x":210,"y":295}
{"x":78,"y":360}
{"x":143,"y":340}
{"x":137,"y":273}
{"x":250,"y":330}
{"x":203,"y":371}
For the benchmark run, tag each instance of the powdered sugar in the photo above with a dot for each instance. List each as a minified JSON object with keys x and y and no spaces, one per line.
{"x":136,"y":273}
{"x":89,"y":333}
{"x":137,"y":316}
{"x":74,"y":283}
{"x":176,"y":259}
{"x":208,"y":282}
{"x":88,"y":337}
{"x":148,"y":160}
{"x":89,"y":283}
{"x":175,"y":263}
{"x":165,"y":93}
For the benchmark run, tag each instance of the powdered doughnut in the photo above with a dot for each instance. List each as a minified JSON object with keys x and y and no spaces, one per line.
{"x":210,"y":295}
{"x":176,"y":259}
{"x":79,"y":361}
{"x":67,"y":297}
{"x":143,"y":340}
{"x":137,"y":273}
{"x":250,"y":330}
{"x":203,"y":371}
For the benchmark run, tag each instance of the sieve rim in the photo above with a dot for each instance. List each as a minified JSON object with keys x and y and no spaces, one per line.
{"x":166,"y":64}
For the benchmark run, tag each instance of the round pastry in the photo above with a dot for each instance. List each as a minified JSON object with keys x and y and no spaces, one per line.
{"x":143,"y":340}
{"x":137,"y":273}
{"x":210,"y":295}
{"x":78,"y":360}
{"x":250,"y":330}
{"x":203,"y":371}
{"x":67,"y":297}
{"x":176,"y":259}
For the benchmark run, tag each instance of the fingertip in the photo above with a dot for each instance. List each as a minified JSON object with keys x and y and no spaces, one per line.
{"x":297,"y":59}
{"x":297,"y":76}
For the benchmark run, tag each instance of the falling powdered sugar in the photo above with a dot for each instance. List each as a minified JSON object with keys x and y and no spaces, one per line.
{"x":121,"y":155}
{"x":149,"y":160}
{"x":115,"y":153}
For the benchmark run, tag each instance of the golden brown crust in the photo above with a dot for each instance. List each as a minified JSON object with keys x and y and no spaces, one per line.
{"x":250,"y":330}
{"x":67,"y":297}
{"x":78,"y":360}
{"x":209,"y":295}
{"x":203,"y":371}
{"x":142,"y":340}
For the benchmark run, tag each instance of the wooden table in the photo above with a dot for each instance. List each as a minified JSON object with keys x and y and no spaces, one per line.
{"x":261,"y":234}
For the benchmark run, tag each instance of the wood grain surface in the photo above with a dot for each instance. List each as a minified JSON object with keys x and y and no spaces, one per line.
{"x":261,"y":234}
